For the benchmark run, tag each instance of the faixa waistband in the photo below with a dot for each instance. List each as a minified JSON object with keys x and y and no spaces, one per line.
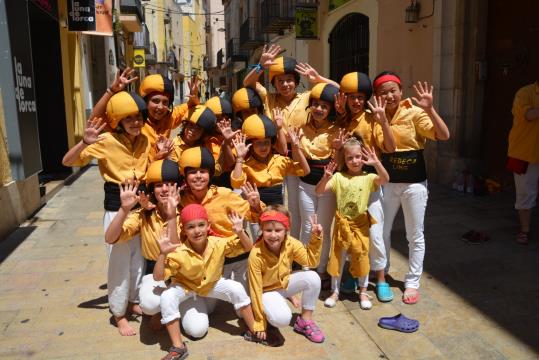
{"x":317,"y":171}
{"x":405,"y":166}
{"x":271,"y":195}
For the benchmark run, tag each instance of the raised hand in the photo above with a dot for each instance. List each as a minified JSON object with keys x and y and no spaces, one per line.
{"x":239,"y":144}
{"x":316,"y":228}
{"x":308,"y":71}
{"x":165,"y":245}
{"x":122,"y":80}
{"x":93,"y":128}
{"x":369,"y":155}
{"x":164,"y":147}
{"x":295,"y":134}
{"x":144,"y":201}
{"x":172,"y":201}
{"x":278,"y":117}
{"x":378,"y":108}
{"x":225,"y":126}
{"x":330,"y":168}
{"x":128,"y":194}
{"x":340,"y":103}
{"x":424,"y":95}
{"x":268,"y":55}
{"x":237,"y":221}
{"x":251,"y":195}
{"x":338,"y":142}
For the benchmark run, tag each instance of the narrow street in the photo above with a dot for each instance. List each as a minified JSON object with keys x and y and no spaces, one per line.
{"x":477,"y":301}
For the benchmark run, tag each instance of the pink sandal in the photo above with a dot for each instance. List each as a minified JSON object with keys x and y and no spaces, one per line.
{"x":309,"y":329}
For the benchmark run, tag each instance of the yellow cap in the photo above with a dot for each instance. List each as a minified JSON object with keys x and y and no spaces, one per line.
{"x":258,"y":126}
{"x":356,"y":82}
{"x":198,"y":158}
{"x":156,"y":83}
{"x":124,"y":104}
{"x":245,"y":98}
{"x":219,"y":106}
{"x":203,"y":117}
{"x":163,"y":171}
{"x":324,"y":92}
{"x":282,"y":65}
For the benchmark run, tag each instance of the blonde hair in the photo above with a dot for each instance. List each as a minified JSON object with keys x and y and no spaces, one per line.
{"x":354,"y":140}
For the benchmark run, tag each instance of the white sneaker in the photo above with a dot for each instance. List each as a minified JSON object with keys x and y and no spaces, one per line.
{"x":365,"y":304}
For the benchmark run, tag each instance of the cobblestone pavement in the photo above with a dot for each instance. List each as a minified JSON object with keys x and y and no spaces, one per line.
{"x":477,"y":301}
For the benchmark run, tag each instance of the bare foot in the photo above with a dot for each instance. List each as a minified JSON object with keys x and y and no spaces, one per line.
{"x":135,"y":309}
{"x":123,"y":326}
{"x":410,"y":296}
{"x":294,"y":299}
{"x":155,"y":322}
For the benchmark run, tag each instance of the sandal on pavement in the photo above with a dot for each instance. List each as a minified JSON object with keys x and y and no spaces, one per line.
{"x":176,"y":353}
{"x":309,"y":329}
{"x":384,"y":292}
{"x":410,"y":296}
{"x":522,"y":238}
{"x":331,"y":301}
{"x":400,"y":323}
{"x":365,"y":304}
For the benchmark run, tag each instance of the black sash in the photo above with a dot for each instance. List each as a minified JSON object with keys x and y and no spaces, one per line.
{"x":112,"y":196}
{"x":150,"y":264}
{"x":405,"y":166}
{"x":317,"y":171}
{"x":272,"y":195}
{"x":237,"y":258}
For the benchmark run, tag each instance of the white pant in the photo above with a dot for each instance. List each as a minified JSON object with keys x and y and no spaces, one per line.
{"x":228,"y":290}
{"x":292,"y":183}
{"x":377,"y":248}
{"x":413,"y":198}
{"x":324,"y":206}
{"x":195,"y":311}
{"x":275,"y":307}
{"x":125,"y":271}
{"x":526,"y":188}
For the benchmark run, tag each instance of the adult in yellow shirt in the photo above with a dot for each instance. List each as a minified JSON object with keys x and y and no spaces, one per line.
{"x":284,"y":75}
{"x":411,"y":127}
{"x":121,"y":154}
{"x":524,"y":154}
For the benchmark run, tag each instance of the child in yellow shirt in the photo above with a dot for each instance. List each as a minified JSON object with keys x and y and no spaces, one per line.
{"x":352,"y":187}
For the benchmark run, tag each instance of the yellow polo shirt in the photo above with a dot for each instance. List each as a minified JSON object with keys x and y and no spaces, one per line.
{"x":352,"y":193}
{"x":524,"y":135}
{"x":179,"y":146}
{"x":149,"y":224}
{"x":268,"y":272}
{"x":266,"y":174}
{"x":218,"y":202}
{"x":117,"y":157}
{"x":362,"y":124}
{"x":294,"y":111}
{"x":200,"y":273}
{"x":316,"y":142}
{"x":411,"y":127}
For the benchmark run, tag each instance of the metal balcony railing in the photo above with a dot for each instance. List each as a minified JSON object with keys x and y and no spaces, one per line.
{"x":250,"y":34}
{"x":234,"y":52}
{"x":277,"y":15}
{"x":133,"y":7}
{"x":141,"y":40}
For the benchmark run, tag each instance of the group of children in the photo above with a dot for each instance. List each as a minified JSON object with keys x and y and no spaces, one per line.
{"x":176,"y":209}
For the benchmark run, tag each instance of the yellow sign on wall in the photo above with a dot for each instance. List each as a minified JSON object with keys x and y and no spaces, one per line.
{"x":306,"y":22}
{"x":139,"y":58}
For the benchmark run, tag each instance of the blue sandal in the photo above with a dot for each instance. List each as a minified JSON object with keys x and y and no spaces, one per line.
{"x":384,"y":292}
{"x":400,"y":323}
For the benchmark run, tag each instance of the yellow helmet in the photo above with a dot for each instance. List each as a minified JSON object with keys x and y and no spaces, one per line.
{"x":202,"y":116}
{"x":356,"y":82}
{"x":124,"y":104}
{"x":219,"y":106}
{"x":197,"y":157}
{"x":283,"y":65}
{"x":245,"y":98}
{"x":157,"y":83}
{"x":163,"y":171}
{"x":259,"y":126}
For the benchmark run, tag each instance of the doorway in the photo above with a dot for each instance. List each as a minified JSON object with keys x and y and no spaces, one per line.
{"x":349,"y":46}
{"x":47,"y":63}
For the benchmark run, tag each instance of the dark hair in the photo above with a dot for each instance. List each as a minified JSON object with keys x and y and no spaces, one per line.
{"x":296,"y":78}
{"x":387,"y":73}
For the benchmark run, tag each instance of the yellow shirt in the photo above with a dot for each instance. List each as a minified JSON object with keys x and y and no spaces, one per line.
{"x":294,"y":111}
{"x":268,"y":272}
{"x":352,"y":193}
{"x":218,"y":202}
{"x":117,"y":157}
{"x":214,"y":143}
{"x":149,"y":224}
{"x":524,"y":135}
{"x":200,"y":273}
{"x":152,"y":130}
{"x":266,"y":175}
{"x":179,"y":147}
{"x":317,"y":142}
{"x":411,"y":127}
{"x":363,"y":125}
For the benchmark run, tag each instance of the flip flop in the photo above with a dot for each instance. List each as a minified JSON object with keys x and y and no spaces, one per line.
{"x":400,"y":323}
{"x":411,"y":299}
{"x":384,"y":292}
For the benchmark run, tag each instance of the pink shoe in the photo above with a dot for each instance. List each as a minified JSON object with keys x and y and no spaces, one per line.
{"x":309,"y":329}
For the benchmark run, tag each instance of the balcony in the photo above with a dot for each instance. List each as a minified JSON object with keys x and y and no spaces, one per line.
{"x":234,"y":52}
{"x":151,"y":58}
{"x":131,"y":15}
{"x":250,"y":34}
{"x":141,"y":40}
{"x":277,"y":15}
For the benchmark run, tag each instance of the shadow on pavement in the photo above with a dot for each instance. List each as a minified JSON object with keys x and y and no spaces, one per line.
{"x":13,"y":240}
